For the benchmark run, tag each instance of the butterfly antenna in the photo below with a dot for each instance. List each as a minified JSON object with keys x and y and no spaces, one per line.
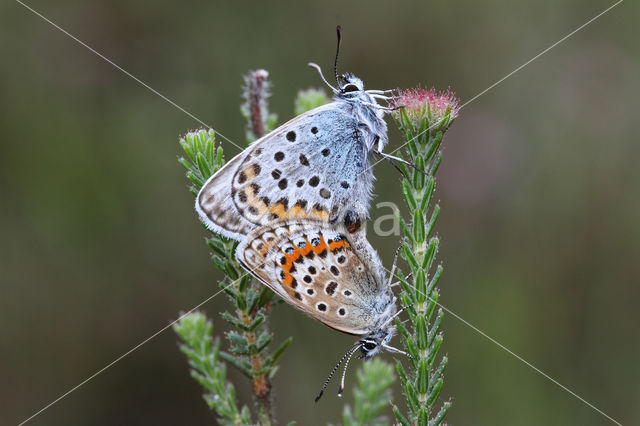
{"x":335,"y":63}
{"x":344,"y":372}
{"x":317,"y":67}
{"x":326,"y":383}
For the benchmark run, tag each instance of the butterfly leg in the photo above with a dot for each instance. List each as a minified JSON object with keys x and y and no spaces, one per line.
{"x":383,"y":108}
{"x":398,"y":282}
{"x":379,"y":92}
{"x":393,"y":268}
{"x":394,"y":350}
{"x":391,"y":158}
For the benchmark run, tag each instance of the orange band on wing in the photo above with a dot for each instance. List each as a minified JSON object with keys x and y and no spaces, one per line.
{"x":335,"y":245}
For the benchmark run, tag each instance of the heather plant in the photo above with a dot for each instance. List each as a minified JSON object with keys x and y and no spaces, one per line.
{"x":423,"y":117}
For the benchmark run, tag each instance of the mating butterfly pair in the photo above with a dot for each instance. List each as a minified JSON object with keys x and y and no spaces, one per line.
{"x":295,"y":200}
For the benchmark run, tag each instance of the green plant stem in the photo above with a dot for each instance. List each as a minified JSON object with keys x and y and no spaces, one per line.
{"x":422,"y":338}
{"x":250,"y":338}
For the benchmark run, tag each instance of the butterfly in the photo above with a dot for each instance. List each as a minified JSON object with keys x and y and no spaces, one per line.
{"x":328,"y":273}
{"x":317,"y":165}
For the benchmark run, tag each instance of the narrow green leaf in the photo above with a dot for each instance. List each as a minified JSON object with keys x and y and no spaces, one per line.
{"x":217,"y":246}
{"x":203,"y":166}
{"x":231,"y":271}
{"x":195,"y":180}
{"x":401,"y":372}
{"x":433,"y":219}
{"x":184,"y":163}
{"x":401,"y":328}
{"x":421,"y":286}
{"x":236,"y":338}
{"x":432,"y":250}
{"x":263,"y":340}
{"x":436,"y":325}
{"x":436,"y":164}
{"x":277,"y":354}
{"x":240,"y":350}
{"x":435,"y":392}
{"x":439,"y":372}
{"x":273,"y":370}
{"x":422,"y":382}
{"x":418,"y":177}
{"x":220,"y":156}
{"x":437,"y":420}
{"x":243,"y":283}
{"x":234,"y":321}
{"x":418,"y":226}
{"x":408,"y":194}
{"x":227,"y":287}
{"x":188,"y":150}
{"x":435,"y":144}
{"x":409,"y":257}
{"x":241,"y":365}
{"x":403,"y":225}
{"x":412,"y":397}
{"x":421,"y":333}
{"x":401,"y":418}
{"x":435,"y":279}
{"x":257,"y":322}
{"x":432,"y":302}
{"x":435,"y":348}
{"x":241,"y":301}
{"x":264,"y":296}
{"x":411,"y":350}
{"x":408,"y":288}
{"x":209,"y":152}
{"x":427,"y":194}
{"x":423,"y":417}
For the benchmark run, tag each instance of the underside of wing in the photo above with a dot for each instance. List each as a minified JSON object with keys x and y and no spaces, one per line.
{"x":215,"y":206}
{"x":312,"y":166}
{"x":319,"y":270}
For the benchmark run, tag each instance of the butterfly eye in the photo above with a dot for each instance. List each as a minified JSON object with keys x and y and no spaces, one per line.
{"x":369,"y":346}
{"x":315,"y":241}
{"x":350,"y":88}
{"x":289,"y":250}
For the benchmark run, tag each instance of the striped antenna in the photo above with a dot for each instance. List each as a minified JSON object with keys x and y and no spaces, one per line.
{"x":326,"y":383}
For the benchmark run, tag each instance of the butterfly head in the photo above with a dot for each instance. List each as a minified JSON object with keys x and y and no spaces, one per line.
{"x":349,"y":84}
{"x":369,"y":346}
{"x":372,"y":344}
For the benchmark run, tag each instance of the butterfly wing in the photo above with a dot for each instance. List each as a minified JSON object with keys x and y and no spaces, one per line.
{"x":315,"y":166}
{"x":330,"y":275}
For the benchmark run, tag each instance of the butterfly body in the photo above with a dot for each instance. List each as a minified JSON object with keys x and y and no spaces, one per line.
{"x":333,"y":276}
{"x":316,"y":165}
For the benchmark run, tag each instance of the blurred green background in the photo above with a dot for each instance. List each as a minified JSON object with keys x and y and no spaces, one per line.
{"x":100,"y":246}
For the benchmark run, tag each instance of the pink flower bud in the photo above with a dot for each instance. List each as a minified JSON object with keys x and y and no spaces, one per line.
{"x":438,"y":108}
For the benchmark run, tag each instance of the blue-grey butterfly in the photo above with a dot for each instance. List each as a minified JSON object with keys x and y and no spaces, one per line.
{"x":334,"y":276}
{"x":315,"y":165}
